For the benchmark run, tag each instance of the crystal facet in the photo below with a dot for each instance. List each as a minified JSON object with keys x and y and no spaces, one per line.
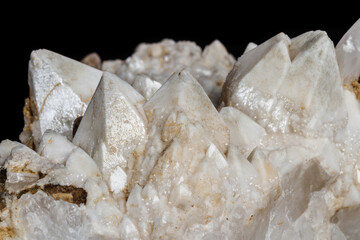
{"x":60,"y":89}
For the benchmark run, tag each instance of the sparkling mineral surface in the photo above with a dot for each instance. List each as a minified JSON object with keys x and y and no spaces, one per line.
{"x":176,"y":142}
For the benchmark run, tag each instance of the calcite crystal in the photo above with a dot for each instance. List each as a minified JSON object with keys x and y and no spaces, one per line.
{"x":180,"y":143}
{"x":348,"y":54}
{"x":60,"y":89}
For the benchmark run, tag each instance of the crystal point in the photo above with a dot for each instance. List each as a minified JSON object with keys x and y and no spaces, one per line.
{"x":60,"y":90}
{"x":348,"y":54}
{"x":301,"y":91}
{"x":116,"y":124}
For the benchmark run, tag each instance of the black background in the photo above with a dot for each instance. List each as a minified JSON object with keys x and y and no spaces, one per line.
{"x":114,"y":31}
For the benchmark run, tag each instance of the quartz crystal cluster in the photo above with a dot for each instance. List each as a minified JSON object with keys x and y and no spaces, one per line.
{"x":176,"y":142}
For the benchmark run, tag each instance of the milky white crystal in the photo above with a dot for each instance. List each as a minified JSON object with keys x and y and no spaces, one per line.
{"x":301,"y":91}
{"x":348,"y":54}
{"x":153,"y":158}
{"x":113,"y":129}
{"x":60,"y":89}
{"x":250,"y":46}
{"x":245,"y":133}
{"x":46,"y":215}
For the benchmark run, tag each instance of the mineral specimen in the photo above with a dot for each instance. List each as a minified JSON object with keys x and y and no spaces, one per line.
{"x":171,"y":144}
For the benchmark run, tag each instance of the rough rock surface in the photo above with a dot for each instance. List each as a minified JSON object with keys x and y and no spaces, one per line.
{"x":154,"y":158}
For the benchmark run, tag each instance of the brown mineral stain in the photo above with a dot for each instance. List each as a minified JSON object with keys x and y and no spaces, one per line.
{"x":86,"y":100}
{"x":250,"y":219}
{"x":136,"y":154}
{"x":175,"y":101}
{"x":141,"y":101}
{"x":6,"y":233}
{"x":2,"y":204}
{"x":28,"y":114}
{"x":112,"y":150}
{"x":31,"y":190}
{"x":150,"y":115}
{"x":3,"y":178}
{"x":170,"y":130}
{"x":30,"y":143}
{"x":22,"y":169}
{"x":50,"y":92}
{"x":207,"y":219}
{"x":68,"y":197}
{"x":29,"y":119}
{"x":126,"y":192}
{"x":69,"y":194}
{"x":41,"y":175}
{"x":356,"y":88}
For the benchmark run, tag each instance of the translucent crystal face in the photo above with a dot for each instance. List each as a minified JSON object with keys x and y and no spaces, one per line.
{"x":348,"y":54}
{"x":177,"y":142}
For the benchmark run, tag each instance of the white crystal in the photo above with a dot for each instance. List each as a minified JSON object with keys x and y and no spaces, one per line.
{"x":182,"y":94}
{"x":353,"y":107}
{"x":118,"y":179}
{"x":55,"y":147}
{"x":245,"y":133}
{"x":80,"y":163}
{"x":113,"y":129}
{"x":348,"y":54}
{"x":145,"y":86}
{"x":24,"y":167}
{"x":290,"y":86}
{"x":60,"y":88}
{"x":181,"y":141}
{"x":43,"y":215}
{"x":250,"y":46}
{"x":5,"y":150}
{"x":46,"y":218}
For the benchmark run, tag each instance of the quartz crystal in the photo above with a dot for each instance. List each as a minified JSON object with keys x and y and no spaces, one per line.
{"x":179,"y":143}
